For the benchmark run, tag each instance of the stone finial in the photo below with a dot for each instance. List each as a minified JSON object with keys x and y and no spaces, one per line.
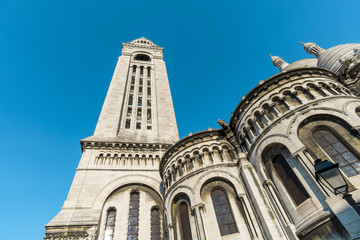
{"x":222,"y":123}
{"x":279,"y":63}
{"x":312,"y":48}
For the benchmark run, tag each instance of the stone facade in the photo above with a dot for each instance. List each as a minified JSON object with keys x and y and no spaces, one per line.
{"x":252,"y":179}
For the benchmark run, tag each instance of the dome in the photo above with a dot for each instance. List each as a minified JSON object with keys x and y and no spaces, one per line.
{"x":329,"y":59}
{"x":143,"y":41}
{"x":308,"y":62}
{"x":332,"y":58}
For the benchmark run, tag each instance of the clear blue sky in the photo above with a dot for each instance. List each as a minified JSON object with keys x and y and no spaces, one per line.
{"x":57,"y":58}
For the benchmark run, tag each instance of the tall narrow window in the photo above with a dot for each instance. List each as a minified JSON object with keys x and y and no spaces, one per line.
{"x":141,"y":81}
{"x":141,"y":71}
{"x":133,"y":225}
{"x":129,"y":110}
{"x":185,"y":222}
{"x":148,"y":72}
{"x":131,"y":99}
{"x":134,"y":69}
{"x":292,"y":184}
{"x":127,"y":123}
{"x":140,"y":101}
{"x":338,"y":152}
{"x":149,"y":114}
{"x":155,"y":224}
{"x":110,"y":224}
{"x":223,"y":212}
{"x":139,"y":114}
{"x":149,"y":91}
{"x":133,"y":80}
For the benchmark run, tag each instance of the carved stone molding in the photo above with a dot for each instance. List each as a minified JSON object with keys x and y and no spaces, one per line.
{"x":123,"y":146}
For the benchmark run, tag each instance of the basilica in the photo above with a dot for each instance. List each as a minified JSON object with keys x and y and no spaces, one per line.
{"x":286,"y":165}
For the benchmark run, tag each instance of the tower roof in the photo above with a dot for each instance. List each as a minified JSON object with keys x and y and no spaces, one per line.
{"x":143,"y":41}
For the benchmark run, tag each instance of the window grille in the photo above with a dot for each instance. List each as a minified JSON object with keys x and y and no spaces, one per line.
{"x":337,"y":150}
{"x":223,"y":212}
{"x":110,"y":224}
{"x":155,"y":224}
{"x":133,"y":224}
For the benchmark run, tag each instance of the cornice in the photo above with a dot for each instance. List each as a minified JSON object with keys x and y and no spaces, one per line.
{"x":123,"y":146}
{"x":188,"y":141}
{"x":291,"y":75}
{"x":134,"y":45}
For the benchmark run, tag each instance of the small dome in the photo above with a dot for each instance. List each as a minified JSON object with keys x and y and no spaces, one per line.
{"x":312,"y":48}
{"x":303,"y":63}
{"x":329,"y":59}
{"x":279,"y":62}
{"x":143,"y":41}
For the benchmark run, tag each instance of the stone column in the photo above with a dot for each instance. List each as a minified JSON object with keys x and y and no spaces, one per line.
{"x":266,"y":117}
{"x":199,"y":221}
{"x":170,"y":230}
{"x":254,"y":231}
{"x":281,"y":212}
{"x":346,"y":214}
{"x":207,"y":158}
{"x":270,"y":225}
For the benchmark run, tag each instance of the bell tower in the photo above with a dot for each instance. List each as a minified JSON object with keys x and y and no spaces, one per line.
{"x":120,"y":162}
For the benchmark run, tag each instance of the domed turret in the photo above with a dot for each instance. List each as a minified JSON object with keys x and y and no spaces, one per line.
{"x":279,"y":63}
{"x":312,"y":48}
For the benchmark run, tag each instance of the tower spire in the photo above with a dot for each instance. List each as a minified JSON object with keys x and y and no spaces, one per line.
{"x":279,"y":62}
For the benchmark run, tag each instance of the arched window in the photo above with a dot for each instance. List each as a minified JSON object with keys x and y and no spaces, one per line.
{"x":357,"y":110}
{"x":292,"y":184}
{"x":133,"y":224}
{"x":223,"y":212}
{"x":155,"y":223}
{"x":185,"y":228}
{"x":110,"y":224}
{"x":142,"y":57}
{"x":337,"y":151}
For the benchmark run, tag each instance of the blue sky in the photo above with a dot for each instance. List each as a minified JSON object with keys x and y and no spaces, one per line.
{"x":57,"y":58}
